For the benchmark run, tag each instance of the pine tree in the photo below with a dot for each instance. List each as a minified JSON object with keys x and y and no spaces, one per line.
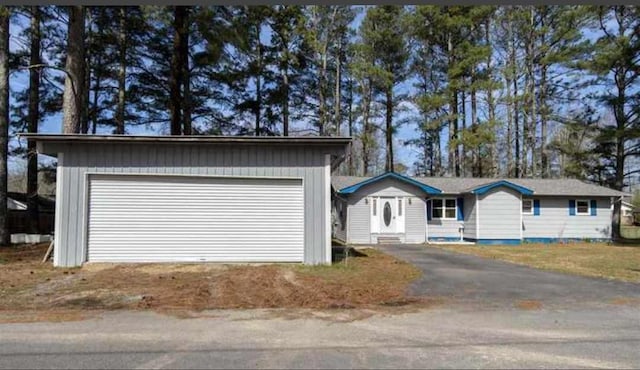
{"x":616,"y":61}
{"x":383,"y":29}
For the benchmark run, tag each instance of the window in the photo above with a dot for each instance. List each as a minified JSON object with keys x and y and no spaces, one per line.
{"x":527,"y":206}
{"x":374,"y":205}
{"x":400,"y":207}
{"x":444,"y":208}
{"x":386,"y":213}
{"x":582,"y":207}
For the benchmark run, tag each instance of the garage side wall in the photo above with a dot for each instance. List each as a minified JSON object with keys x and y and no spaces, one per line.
{"x":307,"y":163}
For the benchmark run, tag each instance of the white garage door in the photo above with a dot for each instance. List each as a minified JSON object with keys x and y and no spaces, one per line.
{"x":173,"y":218}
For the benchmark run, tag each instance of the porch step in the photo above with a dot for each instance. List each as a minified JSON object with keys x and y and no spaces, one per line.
{"x":388,"y":240}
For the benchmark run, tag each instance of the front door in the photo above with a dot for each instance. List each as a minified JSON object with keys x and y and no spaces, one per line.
{"x":388,"y":215}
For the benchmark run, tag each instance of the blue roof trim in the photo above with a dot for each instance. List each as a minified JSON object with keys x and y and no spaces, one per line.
{"x":426,"y":188}
{"x":485,"y":188}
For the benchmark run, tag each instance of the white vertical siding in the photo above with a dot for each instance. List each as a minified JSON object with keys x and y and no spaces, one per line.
{"x":359,"y":221}
{"x":415,"y":220}
{"x":470,"y":217}
{"x":439,"y":228}
{"x":554,"y":220}
{"x":500,"y":214}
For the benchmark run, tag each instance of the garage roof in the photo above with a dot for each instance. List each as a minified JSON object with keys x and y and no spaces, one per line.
{"x":326,"y":141}
{"x":323,"y":140}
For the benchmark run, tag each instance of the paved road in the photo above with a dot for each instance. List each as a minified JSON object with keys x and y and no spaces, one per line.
{"x":474,"y":280}
{"x":440,"y":338}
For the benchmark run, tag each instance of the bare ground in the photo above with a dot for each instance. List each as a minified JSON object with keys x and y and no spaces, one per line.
{"x":32,"y":291}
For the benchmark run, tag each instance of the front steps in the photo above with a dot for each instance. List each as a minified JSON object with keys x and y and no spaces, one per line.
{"x":389,"y":240}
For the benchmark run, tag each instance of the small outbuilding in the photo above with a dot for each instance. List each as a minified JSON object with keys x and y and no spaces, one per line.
{"x":192,"y":198}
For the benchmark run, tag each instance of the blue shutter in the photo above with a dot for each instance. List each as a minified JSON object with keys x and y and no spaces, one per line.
{"x":572,"y":207}
{"x":594,"y":207}
{"x":536,"y":207}
{"x":428,"y":209}
{"x":460,"y":204}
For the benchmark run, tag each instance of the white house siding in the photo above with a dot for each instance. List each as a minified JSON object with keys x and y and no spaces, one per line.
{"x":360,"y":216}
{"x":359,"y":222}
{"x":444,"y":229}
{"x":415,"y":218}
{"x":554,"y":220}
{"x":78,"y":159}
{"x":500,"y":214}
{"x":470,"y":217}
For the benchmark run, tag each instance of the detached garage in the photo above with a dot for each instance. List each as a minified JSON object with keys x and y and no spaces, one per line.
{"x":192,"y":198}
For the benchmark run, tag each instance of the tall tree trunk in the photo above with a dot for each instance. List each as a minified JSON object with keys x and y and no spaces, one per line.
{"x":454,"y":167}
{"x":532,"y":93}
{"x":177,"y":69}
{"x":491,"y":107}
{"x":285,"y":101}
{"x":366,"y":139}
{"x":88,"y":68}
{"x":73,"y":99}
{"x":258,"y":107}
{"x":514,"y":80}
{"x":187,"y":108}
{"x":337,"y":118}
{"x":322,"y":95}
{"x":96,"y":98}
{"x":462,"y":145}
{"x":389,"y":129}
{"x":4,"y":122}
{"x":33,"y":214}
{"x":122,"y":71}
{"x":350,"y":125}
{"x":477,"y":159}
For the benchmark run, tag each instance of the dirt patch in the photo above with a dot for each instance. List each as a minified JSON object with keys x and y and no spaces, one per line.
{"x":370,"y":280}
{"x":625,"y":301}
{"x":55,"y":315}
{"x":529,"y":305}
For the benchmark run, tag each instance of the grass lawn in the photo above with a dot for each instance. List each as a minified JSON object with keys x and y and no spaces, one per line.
{"x":589,"y":259}
{"x":369,"y":279}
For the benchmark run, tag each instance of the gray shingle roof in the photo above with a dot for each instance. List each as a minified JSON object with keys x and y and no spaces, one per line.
{"x":456,"y":185}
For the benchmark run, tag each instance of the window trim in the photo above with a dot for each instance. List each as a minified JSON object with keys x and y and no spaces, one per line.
{"x":588,"y":213}
{"x":522,"y":206}
{"x":444,"y":208}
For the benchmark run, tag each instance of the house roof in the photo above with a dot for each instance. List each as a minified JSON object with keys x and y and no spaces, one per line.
{"x":424,"y":187}
{"x":458,"y":185}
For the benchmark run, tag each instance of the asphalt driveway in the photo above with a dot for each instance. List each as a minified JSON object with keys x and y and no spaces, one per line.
{"x":475,"y":280}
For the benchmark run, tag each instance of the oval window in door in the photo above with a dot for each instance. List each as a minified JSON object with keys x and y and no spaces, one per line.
{"x":386,"y":213}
